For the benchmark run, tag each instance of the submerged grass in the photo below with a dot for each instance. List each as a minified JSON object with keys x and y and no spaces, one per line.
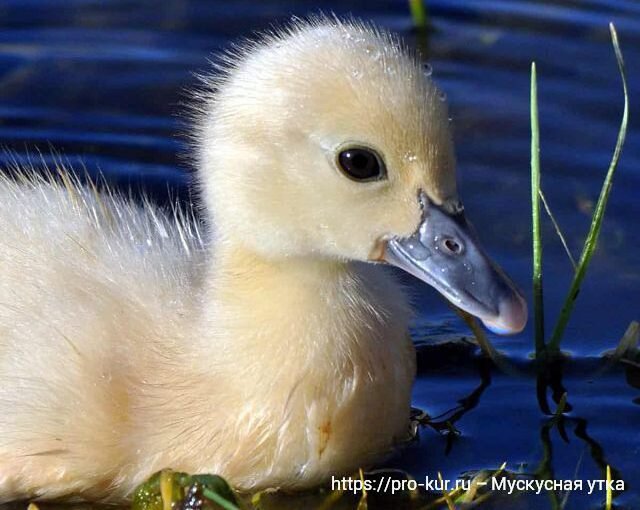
{"x":553,"y":347}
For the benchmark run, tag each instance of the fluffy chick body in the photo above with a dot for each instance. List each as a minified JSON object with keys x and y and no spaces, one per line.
{"x":263,"y":350}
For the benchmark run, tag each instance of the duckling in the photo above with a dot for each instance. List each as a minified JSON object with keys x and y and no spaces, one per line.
{"x":273,"y":347}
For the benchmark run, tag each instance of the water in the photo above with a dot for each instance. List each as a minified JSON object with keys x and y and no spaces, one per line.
{"x":103,"y":83}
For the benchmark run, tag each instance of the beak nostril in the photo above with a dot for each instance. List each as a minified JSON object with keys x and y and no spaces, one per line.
{"x":452,"y":246}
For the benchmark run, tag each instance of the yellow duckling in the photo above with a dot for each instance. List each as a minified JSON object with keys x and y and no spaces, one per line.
{"x":270,"y":352}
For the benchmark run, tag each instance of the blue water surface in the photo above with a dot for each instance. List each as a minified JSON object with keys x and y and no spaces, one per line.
{"x":104,"y":83}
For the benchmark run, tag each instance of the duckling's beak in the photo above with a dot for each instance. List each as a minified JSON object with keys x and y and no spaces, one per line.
{"x":445,"y":253}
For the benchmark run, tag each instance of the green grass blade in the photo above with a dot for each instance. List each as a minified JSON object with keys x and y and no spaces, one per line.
{"x":538,"y":309}
{"x":609,"y":500}
{"x":219,"y":500}
{"x":565,"y":245}
{"x":596,"y":221}
{"x":419,"y":14}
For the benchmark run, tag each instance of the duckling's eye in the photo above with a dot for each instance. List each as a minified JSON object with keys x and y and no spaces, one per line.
{"x":361,"y":164}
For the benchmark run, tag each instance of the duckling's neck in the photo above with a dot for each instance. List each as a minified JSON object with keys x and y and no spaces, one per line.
{"x":274,"y":301}
{"x":310,"y":309}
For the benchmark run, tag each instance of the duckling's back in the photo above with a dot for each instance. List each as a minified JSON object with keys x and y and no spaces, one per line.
{"x":87,"y":279}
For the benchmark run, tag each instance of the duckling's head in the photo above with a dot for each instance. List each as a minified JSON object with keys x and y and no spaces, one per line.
{"x":327,"y":140}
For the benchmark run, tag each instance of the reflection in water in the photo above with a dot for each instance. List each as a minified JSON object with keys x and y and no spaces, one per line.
{"x":549,"y":381}
{"x":549,"y":377}
{"x":444,"y":423}
{"x":546,"y":469}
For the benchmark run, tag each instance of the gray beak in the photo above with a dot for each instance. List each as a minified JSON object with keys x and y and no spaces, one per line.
{"x":445,"y":253}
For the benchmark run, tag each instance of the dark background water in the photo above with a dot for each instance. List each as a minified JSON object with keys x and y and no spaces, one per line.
{"x":102,"y":82}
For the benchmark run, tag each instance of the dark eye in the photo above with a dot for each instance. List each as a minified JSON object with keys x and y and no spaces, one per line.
{"x":361,"y":164}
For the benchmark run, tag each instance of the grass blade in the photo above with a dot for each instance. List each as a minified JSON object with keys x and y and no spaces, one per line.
{"x":538,"y":309}
{"x":609,"y":501}
{"x":565,"y":245}
{"x":219,"y":500}
{"x":596,"y":221}
{"x":479,"y":333}
{"x":419,"y":14}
